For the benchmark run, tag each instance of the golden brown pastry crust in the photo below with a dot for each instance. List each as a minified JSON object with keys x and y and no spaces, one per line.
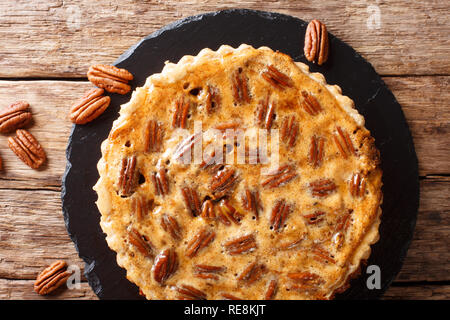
{"x":315,"y":220}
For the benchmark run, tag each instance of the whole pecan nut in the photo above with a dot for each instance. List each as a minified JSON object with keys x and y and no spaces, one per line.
{"x":316,"y":42}
{"x":51,"y":278}
{"x":110,"y":78}
{"x":89,"y":107}
{"x":27,"y":148}
{"x":16,"y":116}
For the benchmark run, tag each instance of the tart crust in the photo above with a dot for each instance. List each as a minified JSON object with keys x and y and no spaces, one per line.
{"x":326,"y":232}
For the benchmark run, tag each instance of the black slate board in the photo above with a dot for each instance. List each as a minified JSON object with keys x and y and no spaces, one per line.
{"x":345,"y":67}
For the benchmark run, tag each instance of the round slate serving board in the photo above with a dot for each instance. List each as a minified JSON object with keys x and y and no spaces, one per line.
{"x":345,"y":67}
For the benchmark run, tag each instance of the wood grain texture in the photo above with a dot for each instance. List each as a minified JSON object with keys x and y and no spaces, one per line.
{"x":33,"y":234}
{"x":62,"y":38}
{"x":429,"y":254}
{"x":50,"y":102}
{"x":425,"y":102}
{"x":418,"y":292}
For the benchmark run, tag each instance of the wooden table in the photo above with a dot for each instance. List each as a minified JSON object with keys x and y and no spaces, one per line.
{"x":46,"y":49}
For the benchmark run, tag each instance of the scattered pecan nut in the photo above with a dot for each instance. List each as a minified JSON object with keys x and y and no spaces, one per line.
{"x":51,"y":278}
{"x":316,"y":42}
{"x":110,"y":78}
{"x":27,"y":148}
{"x":89,"y":107}
{"x":15,"y":116}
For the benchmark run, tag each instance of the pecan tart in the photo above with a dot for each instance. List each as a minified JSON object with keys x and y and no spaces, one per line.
{"x":196,"y":207}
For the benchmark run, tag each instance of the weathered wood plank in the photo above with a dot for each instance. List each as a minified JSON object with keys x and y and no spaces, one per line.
{"x":50,"y":103}
{"x":33,"y":234}
{"x":62,"y":38}
{"x":429,"y":254}
{"x":422,"y":98}
{"x":23,"y":290}
{"x":425,"y":102}
{"x":420,"y":292}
